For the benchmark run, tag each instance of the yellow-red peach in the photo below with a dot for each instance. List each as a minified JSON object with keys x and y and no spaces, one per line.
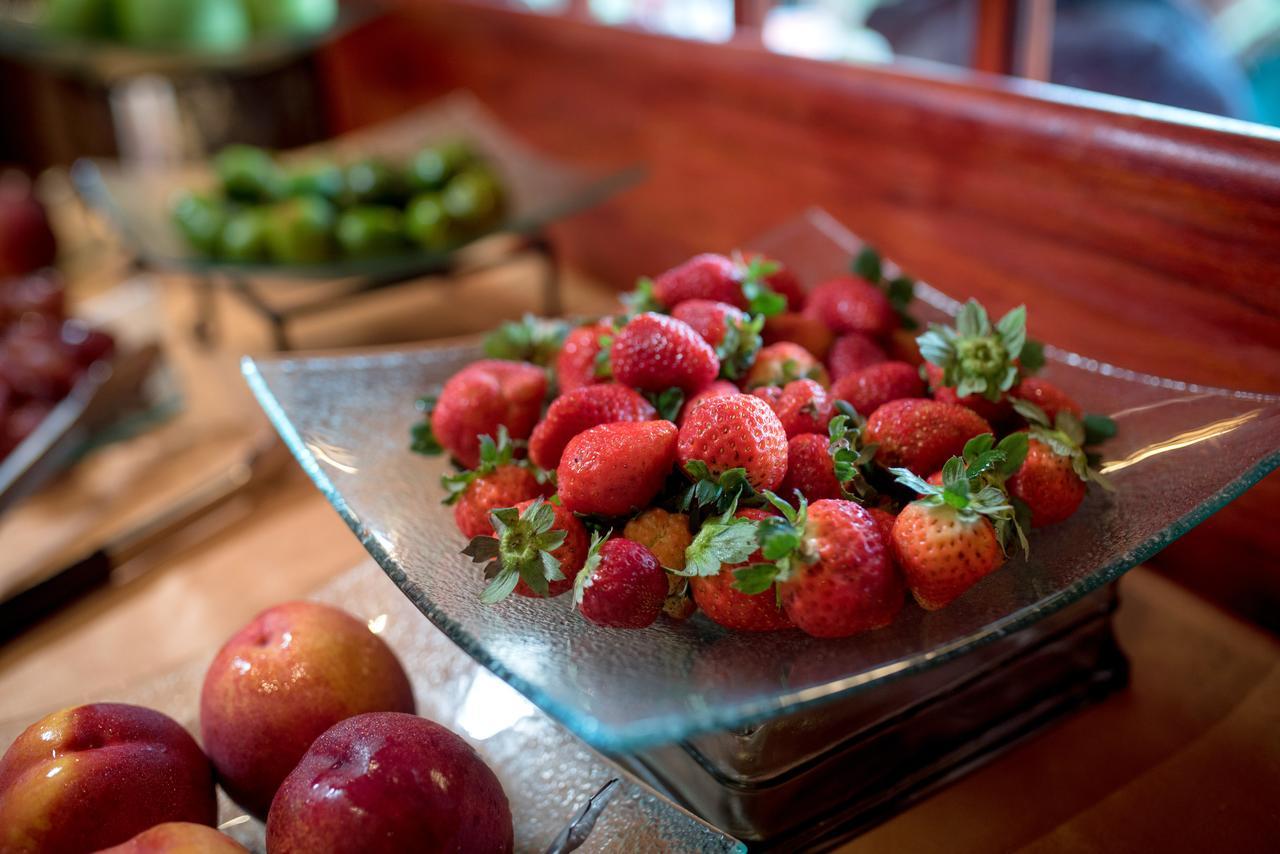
{"x":294,"y":671}
{"x":93,"y":776}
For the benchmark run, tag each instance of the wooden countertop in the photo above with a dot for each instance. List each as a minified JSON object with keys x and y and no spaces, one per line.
{"x":1186,"y":759}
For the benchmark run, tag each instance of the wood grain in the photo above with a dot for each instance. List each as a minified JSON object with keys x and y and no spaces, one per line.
{"x":1145,"y":236}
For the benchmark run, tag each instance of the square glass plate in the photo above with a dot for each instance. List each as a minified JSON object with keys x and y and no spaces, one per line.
{"x":546,"y":772}
{"x":539,"y":191}
{"x":1182,"y":452}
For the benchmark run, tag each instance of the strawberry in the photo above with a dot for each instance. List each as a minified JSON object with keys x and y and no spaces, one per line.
{"x":994,"y":412}
{"x":1047,"y":396}
{"x":884,"y":521}
{"x":1052,"y":480}
{"x":810,"y":469}
{"x":734,"y":432}
{"x":945,"y":541}
{"x":921,"y":434}
{"x":803,"y":407}
{"x":654,"y":352}
{"x":733,"y":333}
{"x":577,"y":363}
{"x":538,"y":550}
{"x":482,"y":397}
{"x":853,"y":352}
{"x":496,"y":482}
{"x":831,"y":566}
{"x":975,"y":364}
{"x":707,"y":276}
{"x":779,"y":364}
{"x":616,"y":469}
{"x":581,"y":409}
{"x":719,"y":388}
{"x":813,"y":335}
{"x":621,"y":585}
{"x":770,"y":394}
{"x":874,"y":386}
{"x":849,"y":304}
{"x":722,"y":546}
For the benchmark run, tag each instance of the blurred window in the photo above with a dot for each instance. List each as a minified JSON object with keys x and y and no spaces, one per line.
{"x":1215,"y":56}
{"x":703,"y":20}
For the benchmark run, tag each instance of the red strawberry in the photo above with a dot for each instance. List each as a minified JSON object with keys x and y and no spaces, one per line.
{"x":496,"y":482}
{"x":621,"y":586}
{"x":538,"y":550}
{"x":853,"y":352}
{"x":709,"y":319}
{"x":803,"y":407}
{"x":848,"y":304}
{"x":707,"y":276}
{"x":654,"y":352}
{"x":733,"y":334}
{"x":770,"y":394}
{"x":813,"y":335}
{"x":1048,"y":483}
{"x":482,"y":397}
{"x":576,"y":363}
{"x":779,"y":364}
{"x":735,"y":431}
{"x":995,"y":412}
{"x":616,"y":469}
{"x":945,"y":542}
{"x":920,"y":434}
{"x":810,"y":469}
{"x":884,"y":521}
{"x":726,"y":605}
{"x":872,"y":387}
{"x":719,"y":388}
{"x":578,"y":410}
{"x":833,"y":568}
{"x":1047,"y":396}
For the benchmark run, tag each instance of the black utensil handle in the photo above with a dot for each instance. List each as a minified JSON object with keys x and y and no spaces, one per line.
{"x":21,"y":612}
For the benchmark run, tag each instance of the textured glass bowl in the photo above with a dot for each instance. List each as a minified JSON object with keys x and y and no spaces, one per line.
{"x":546,"y":772}
{"x":1182,"y":452}
{"x":539,"y":190}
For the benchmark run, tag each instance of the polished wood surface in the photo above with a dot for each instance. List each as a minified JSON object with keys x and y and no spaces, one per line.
{"x":1143,"y":236}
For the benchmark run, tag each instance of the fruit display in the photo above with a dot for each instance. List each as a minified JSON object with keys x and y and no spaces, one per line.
{"x":190,"y":25}
{"x":306,"y":717}
{"x":43,"y":352}
{"x":264,"y":211}
{"x":667,"y":460}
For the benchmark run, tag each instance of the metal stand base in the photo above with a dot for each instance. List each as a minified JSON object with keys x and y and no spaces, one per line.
{"x":258,"y":297}
{"x":814,"y":779}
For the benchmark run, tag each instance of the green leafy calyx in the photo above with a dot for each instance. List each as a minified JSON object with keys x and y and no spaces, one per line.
{"x":737,"y":350}
{"x":1066,"y":437}
{"x":969,"y":495}
{"x":583,"y":579}
{"x":522,"y":550}
{"x":530,"y":339}
{"x":977,"y":358}
{"x":721,"y":541}
{"x":850,"y":458}
{"x":422,"y":440}
{"x":900,"y":290}
{"x":782,"y":545}
{"x":754,"y":274}
{"x":492,"y":456}
{"x":720,"y":492}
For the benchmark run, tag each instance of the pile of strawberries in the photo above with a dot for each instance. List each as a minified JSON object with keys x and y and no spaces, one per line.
{"x":772,"y":458}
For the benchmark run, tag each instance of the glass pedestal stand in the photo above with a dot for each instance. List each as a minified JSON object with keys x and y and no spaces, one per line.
{"x":815,"y":778}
